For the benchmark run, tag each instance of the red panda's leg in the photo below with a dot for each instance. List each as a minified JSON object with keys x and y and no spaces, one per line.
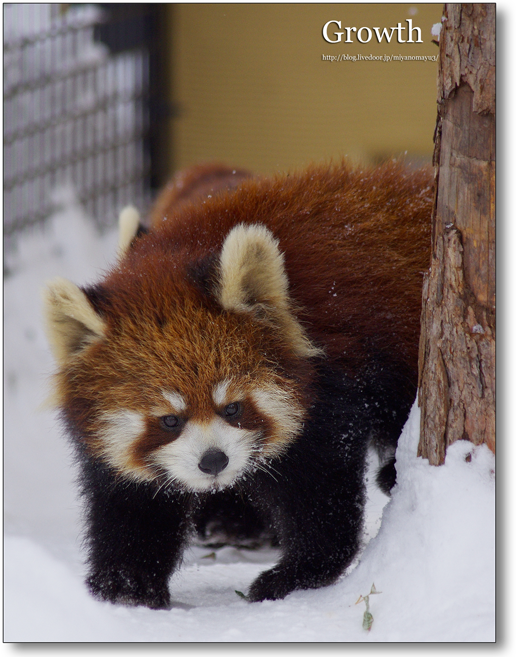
{"x":318,"y":542}
{"x":316,"y":493}
{"x":135,"y":538}
{"x":318,"y":506}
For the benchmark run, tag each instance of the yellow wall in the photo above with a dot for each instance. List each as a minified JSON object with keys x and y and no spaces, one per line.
{"x":253,"y":90}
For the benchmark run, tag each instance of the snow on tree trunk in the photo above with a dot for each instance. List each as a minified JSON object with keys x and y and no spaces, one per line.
{"x":457,"y":349}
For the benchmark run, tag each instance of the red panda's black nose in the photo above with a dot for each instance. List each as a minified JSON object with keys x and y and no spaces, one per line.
{"x":213,"y":462}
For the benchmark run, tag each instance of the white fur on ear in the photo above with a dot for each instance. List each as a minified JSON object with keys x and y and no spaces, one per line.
{"x":71,"y":321}
{"x":252,"y":269}
{"x":253,"y":279}
{"x":128,"y":226}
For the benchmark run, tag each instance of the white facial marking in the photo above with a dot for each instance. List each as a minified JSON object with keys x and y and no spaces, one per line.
{"x":181,"y":457}
{"x":119,"y":431}
{"x":281,"y":407}
{"x":220,"y":392}
{"x":175,"y":400}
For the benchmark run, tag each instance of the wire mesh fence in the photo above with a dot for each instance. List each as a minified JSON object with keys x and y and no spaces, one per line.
{"x":76,"y":110}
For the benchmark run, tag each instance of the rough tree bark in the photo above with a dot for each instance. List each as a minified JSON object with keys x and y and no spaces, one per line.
{"x":457,"y":349}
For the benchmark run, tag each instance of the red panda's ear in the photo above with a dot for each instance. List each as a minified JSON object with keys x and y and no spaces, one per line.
{"x":128,"y":227}
{"x":252,"y":279}
{"x":71,"y":321}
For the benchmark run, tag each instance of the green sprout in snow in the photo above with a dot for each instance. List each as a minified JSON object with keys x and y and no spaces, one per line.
{"x":368,"y":619}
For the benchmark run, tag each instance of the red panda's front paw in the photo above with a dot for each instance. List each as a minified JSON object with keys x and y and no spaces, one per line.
{"x":284,"y":578}
{"x":125,"y":588}
{"x":272,"y":584}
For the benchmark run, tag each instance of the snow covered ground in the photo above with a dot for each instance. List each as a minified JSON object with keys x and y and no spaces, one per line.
{"x":432,"y":562}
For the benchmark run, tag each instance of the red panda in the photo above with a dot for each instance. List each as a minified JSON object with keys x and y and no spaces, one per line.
{"x":252,"y":342}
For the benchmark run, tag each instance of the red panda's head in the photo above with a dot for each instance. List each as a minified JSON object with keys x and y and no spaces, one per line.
{"x":166,"y":379}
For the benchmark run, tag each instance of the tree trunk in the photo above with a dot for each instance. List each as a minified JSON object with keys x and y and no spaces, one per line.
{"x":457,"y":348}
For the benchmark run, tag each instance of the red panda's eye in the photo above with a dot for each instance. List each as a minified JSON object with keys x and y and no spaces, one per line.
{"x":233,"y":410}
{"x":170,"y":422}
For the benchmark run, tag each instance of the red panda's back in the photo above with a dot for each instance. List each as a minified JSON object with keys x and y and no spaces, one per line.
{"x":356,"y":243}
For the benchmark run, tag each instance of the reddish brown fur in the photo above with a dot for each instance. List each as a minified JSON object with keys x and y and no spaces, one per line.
{"x":193,"y":185}
{"x":364,"y":235}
